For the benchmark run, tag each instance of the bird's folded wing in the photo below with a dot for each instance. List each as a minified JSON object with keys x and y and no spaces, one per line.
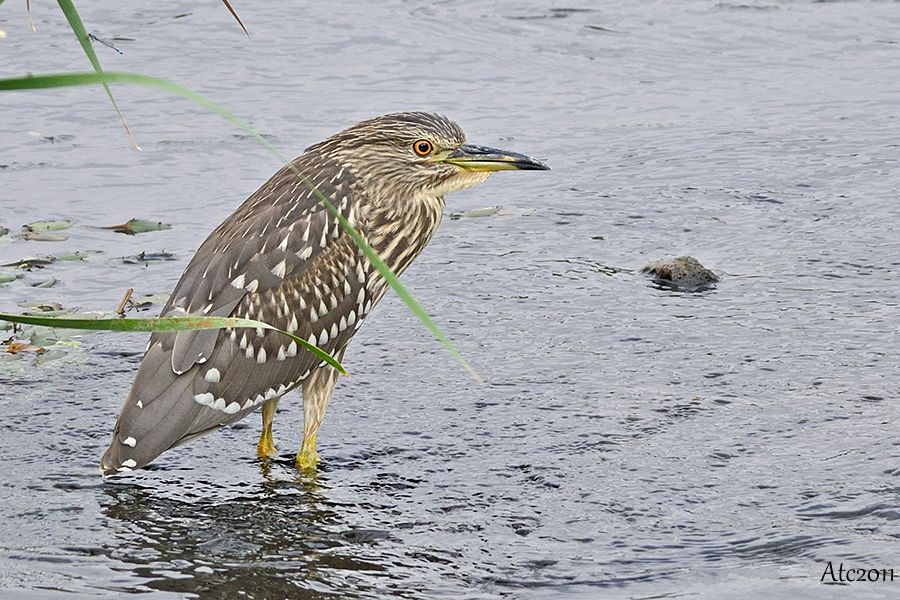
{"x":277,"y":233}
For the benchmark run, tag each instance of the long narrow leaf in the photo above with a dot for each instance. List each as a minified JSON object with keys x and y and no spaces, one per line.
{"x":68,"y":8}
{"x":236,"y":17}
{"x":75,"y":79}
{"x":28,"y":10}
{"x":166,"y":324}
{"x":399,"y":288}
{"x":56,"y":80}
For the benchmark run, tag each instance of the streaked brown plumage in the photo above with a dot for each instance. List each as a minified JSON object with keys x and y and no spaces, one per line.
{"x":283,"y":259}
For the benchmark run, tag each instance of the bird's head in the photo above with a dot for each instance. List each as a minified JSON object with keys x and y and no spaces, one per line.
{"x":414,"y":154}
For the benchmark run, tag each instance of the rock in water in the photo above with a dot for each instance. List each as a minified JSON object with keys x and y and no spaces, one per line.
{"x":684,"y":273}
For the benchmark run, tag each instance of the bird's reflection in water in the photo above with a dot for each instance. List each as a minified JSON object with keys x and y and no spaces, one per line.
{"x":275,"y":538}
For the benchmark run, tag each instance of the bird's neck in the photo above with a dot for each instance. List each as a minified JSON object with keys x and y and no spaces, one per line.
{"x":399,"y":229}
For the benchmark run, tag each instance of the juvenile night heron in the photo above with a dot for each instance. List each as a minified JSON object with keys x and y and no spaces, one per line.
{"x":283,"y":259}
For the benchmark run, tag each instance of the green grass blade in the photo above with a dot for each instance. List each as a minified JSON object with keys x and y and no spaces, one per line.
{"x":74,"y":19}
{"x":166,"y":324}
{"x":75,"y":79}
{"x":57,"y":80}
{"x":398,"y":287}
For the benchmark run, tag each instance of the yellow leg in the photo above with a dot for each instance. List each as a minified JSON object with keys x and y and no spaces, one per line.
{"x":317,"y":391}
{"x":266,"y":446}
{"x":307,"y":458}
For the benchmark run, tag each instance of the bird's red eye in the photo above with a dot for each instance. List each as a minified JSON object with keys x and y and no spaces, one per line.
{"x":423,"y":147}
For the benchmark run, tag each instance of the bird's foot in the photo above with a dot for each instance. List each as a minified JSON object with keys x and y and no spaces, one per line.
{"x":307,"y":458}
{"x":266,"y":446}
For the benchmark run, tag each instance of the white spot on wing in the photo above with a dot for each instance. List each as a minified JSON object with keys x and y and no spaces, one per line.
{"x":129,"y":464}
{"x":232,"y":408}
{"x":140,"y":404}
{"x":251,"y":287}
{"x":219,"y":404}
{"x":261,"y":356}
{"x":212,"y":375}
{"x":305,"y":253}
{"x":279,"y":270}
{"x":292,"y":348}
{"x":238,"y":282}
{"x":206,"y":399}
{"x":129,"y":441}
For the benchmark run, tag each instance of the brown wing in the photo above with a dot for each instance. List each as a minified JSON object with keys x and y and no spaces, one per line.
{"x":277,"y":233}
{"x":280,"y":258}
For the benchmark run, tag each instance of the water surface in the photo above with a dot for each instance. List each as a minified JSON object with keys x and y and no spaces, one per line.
{"x":631,"y":441}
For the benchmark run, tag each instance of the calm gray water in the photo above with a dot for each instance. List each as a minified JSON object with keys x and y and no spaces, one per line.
{"x":631,"y":441}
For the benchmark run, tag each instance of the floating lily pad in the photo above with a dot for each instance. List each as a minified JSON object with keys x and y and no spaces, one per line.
{"x":147,"y":302}
{"x":72,"y":256}
{"x":145,"y":258}
{"x":38,"y":262}
{"x":47,"y":283}
{"x":43,"y":236}
{"x":18,"y":347}
{"x":39,"y":226}
{"x":45,"y":308}
{"x":488,"y":211}
{"x":135,"y":226}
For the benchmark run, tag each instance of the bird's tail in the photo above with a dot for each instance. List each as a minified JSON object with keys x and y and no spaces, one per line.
{"x":157,"y":414}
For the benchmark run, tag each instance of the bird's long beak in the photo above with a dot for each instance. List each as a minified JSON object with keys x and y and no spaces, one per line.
{"x":481,"y":158}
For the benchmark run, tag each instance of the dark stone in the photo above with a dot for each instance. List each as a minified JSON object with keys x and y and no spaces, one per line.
{"x":684,"y":273}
